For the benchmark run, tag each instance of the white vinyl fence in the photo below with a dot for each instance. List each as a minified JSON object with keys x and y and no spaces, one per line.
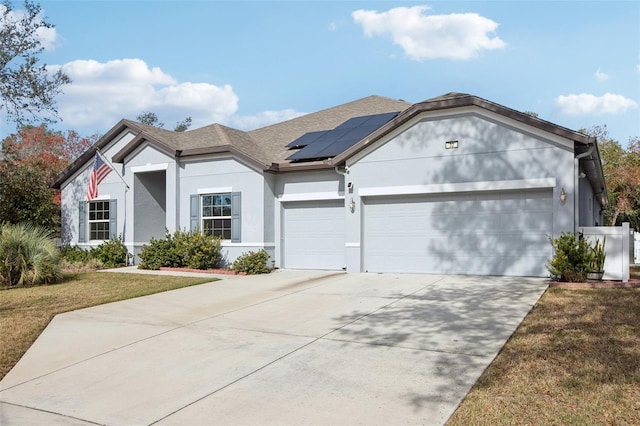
{"x":617,"y":247}
{"x":636,"y":247}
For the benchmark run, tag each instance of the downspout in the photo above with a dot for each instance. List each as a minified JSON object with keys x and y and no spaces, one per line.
{"x":576,"y":186}
{"x":344,"y":175}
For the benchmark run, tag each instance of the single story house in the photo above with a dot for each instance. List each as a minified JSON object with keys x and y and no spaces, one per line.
{"x":455,"y":184}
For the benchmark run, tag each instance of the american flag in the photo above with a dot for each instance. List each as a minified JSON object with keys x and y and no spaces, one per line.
{"x":100,"y":171}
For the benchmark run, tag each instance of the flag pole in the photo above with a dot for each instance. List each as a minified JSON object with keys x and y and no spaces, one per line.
{"x":112,"y":167}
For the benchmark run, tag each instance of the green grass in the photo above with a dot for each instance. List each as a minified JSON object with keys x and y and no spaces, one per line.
{"x":26,"y":311}
{"x":575,"y":359}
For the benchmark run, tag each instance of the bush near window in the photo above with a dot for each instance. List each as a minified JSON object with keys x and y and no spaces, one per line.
{"x":109,"y":254}
{"x":572,"y":258}
{"x":75,"y":254}
{"x":252,"y":263}
{"x":28,"y":255}
{"x":182,"y":249}
{"x":112,"y":253}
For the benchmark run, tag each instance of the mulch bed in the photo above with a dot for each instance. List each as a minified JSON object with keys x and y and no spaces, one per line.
{"x":632,"y":283}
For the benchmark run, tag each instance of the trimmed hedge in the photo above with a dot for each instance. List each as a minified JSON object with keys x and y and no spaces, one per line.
{"x":182,"y":250}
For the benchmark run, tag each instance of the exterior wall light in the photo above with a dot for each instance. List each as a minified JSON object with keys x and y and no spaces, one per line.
{"x":563,"y":196}
{"x":352,"y":205}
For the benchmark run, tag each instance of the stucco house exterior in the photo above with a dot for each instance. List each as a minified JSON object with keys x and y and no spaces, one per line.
{"x":455,"y":184}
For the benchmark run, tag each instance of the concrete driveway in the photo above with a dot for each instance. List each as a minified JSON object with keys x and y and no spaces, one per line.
{"x":292,"y":347}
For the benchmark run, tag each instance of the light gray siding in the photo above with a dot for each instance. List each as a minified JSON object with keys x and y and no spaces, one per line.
{"x":217,"y":174}
{"x":74,"y":190}
{"x":491,"y":156}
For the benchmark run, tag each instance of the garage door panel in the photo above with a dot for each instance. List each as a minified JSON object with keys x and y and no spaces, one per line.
{"x":313,"y":235}
{"x":498,"y":233}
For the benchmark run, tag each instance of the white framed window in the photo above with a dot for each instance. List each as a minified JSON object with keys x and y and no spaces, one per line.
{"x":216,"y":215}
{"x":99,"y":220}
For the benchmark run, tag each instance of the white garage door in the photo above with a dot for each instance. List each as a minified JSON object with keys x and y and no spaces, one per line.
{"x":490,"y":233}
{"x":314,"y":235}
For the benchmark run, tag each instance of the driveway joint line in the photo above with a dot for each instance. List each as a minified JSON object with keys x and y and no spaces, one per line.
{"x":283,"y":356}
{"x":181,"y":326}
{"x":52,"y":412}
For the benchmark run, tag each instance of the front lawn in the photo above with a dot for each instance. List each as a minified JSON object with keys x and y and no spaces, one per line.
{"x":575,"y":359}
{"x":26,"y":311}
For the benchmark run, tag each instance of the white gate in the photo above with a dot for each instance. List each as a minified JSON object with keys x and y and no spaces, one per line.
{"x":617,"y":248}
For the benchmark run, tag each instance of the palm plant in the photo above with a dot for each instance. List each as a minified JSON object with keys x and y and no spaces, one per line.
{"x":28,"y":255}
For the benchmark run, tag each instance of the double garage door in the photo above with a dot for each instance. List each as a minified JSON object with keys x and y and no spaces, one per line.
{"x":485,"y":233}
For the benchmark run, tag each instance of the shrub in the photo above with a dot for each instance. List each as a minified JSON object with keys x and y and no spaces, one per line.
{"x":28,"y":255}
{"x":182,"y":249}
{"x":112,"y":253}
{"x":81,"y":266}
{"x":572,"y":258}
{"x":252,"y":263}
{"x":198,"y":251}
{"x":75,"y":254}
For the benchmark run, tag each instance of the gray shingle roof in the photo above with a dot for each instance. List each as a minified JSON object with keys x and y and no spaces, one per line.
{"x":266,"y":147}
{"x":273,"y":139}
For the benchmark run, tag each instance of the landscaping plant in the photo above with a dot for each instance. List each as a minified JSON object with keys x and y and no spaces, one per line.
{"x":598,"y":256}
{"x":28,"y":255}
{"x":252,"y":263}
{"x":182,"y":249}
{"x":572,"y":258}
{"x":112,"y":253}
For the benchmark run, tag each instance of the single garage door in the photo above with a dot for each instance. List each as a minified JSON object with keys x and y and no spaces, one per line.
{"x":314,"y":235}
{"x":486,"y":233}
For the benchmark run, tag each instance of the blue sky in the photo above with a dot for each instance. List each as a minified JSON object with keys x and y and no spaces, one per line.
{"x":248,"y":64}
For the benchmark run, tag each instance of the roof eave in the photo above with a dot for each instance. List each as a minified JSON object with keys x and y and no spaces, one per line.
{"x":89,"y":153}
{"x":220,"y":149}
{"x":461,"y":101}
{"x":297,"y":167}
{"x":139,"y":139}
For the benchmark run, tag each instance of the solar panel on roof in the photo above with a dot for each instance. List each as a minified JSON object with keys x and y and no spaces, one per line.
{"x":319,"y":145}
{"x":306,"y":139}
{"x":348,"y":140}
{"x":312,"y":150}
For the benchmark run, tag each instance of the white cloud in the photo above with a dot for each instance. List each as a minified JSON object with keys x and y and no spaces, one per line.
{"x":333,"y":26}
{"x":601,"y":76}
{"x":422,"y":36}
{"x":584,"y":103}
{"x":103,"y":93}
{"x":48,"y":37}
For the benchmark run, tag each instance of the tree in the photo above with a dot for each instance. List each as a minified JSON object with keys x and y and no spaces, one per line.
{"x":151,"y":119}
{"x":29,"y":161}
{"x":27,"y":89}
{"x":622,"y":174}
{"x":183,"y":125}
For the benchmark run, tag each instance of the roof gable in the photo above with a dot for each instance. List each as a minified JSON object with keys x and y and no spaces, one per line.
{"x":452,"y":101}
